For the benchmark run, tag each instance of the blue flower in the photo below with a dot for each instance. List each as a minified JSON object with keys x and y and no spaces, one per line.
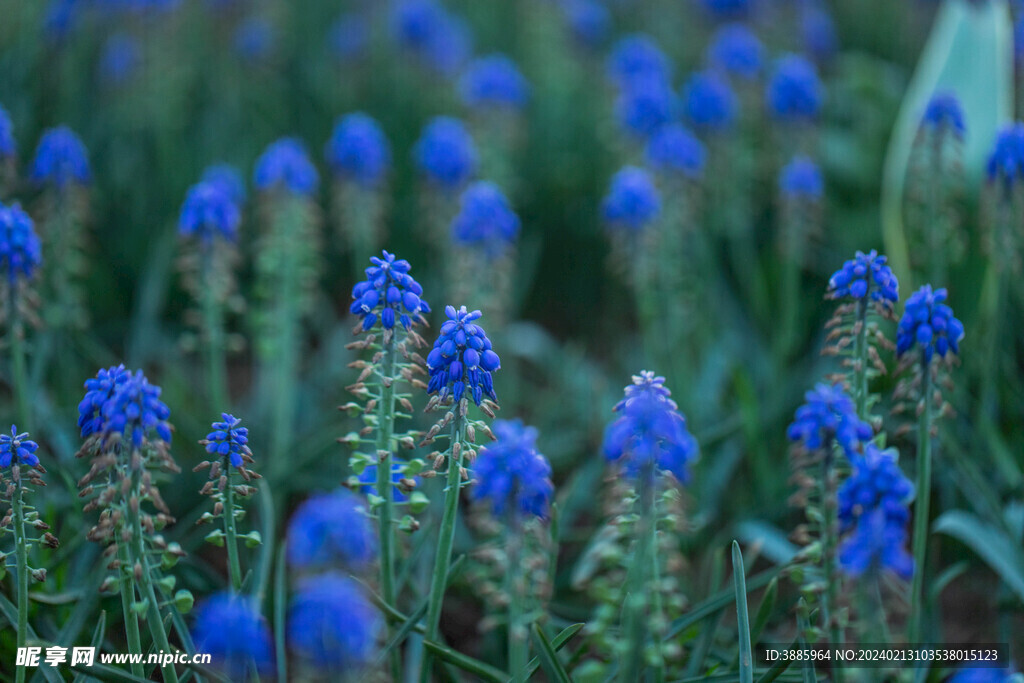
{"x":347,"y":36}
{"x":794,"y":92}
{"x":876,"y":544}
{"x":358,"y":149}
{"x":332,"y":625}
{"x":59,"y":18}
{"x":650,"y":433}
{"x":462,"y":360}
{"x":231,"y":629}
{"x":726,"y":9}
{"x":1007,"y":158}
{"x":389,"y":293}
{"x":589,"y":20}
{"x":801,"y":177}
{"x":709,"y":101}
{"x":877,"y":483}
{"x":135,"y":407}
{"x":637,"y":56}
{"x":208,"y":211}
{"x":982,"y":674}
{"x":737,"y":50}
{"x":451,"y":48}
{"x":829,"y":415}
{"x":945,"y":113}
{"x":8,"y":145}
{"x":644,"y":105}
{"x":493,"y":80}
{"x":331,"y":529}
{"x":368,"y":479}
{"x":512,"y":472}
{"x":228,"y":440}
{"x":445,"y":153}
{"x":20,"y":248}
{"x":120,"y":58}
{"x":254,"y":39}
{"x":228,"y":179}
{"x":485,"y":219}
{"x":285,"y":164}
{"x":673,"y":149}
{"x":17,"y":449}
{"x":862,"y":275}
{"x":426,"y":29}
{"x":928,"y":323}
{"x":60,"y":159}
{"x":99,"y":390}
{"x":632,"y":201}
{"x":818,"y":32}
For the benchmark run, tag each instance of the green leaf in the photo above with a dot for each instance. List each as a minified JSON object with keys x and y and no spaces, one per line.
{"x":716,"y":602}
{"x":778,"y":668}
{"x":989,"y":543}
{"x":280,"y":599}
{"x":466,"y":663}
{"x":548,"y":659}
{"x":765,"y":609}
{"x":803,"y":624}
{"x":742,"y":617}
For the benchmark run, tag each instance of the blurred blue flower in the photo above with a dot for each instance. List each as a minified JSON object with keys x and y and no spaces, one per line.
{"x":709,"y":101}
{"x":982,"y":674}
{"x":228,"y":179}
{"x":347,"y":37}
{"x":135,"y":407}
{"x":650,"y":433}
{"x":8,"y":145}
{"x":736,"y":49}
{"x":254,"y":38}
{"x":332,"y":625}
{"x":485,"y":219}
{"x":632,"y":200}
{"x":794,"y":92}
{"x":425,"y":28}
{"x":20,"y":249}
{"x":829,"y":415}
{"x":209,"y":212}
{"x":60,"y":159}
{"x":876,"y":544}
{"x":493,"y":80}
{"x":368,"y":479}
{"x":928,"y":323}
{"x":589,"y":20}
{"x":59,"y":18}
{"x":358,"y":149}
{"x":862,"y":275}
{"x":510,"y":471}
{"x":945,"y":113}
{"x":818,"y":32}
{"x":1007,"y":158}
{"x":877,"y":482}
{"x":17,"y":449}
{"x":644,"y":105}
{"x":801,"y":177}
{"x":462,"y":360}
{"x":229,"y":440}
{"x":445,"y":153}
{"x":99,"y":390}
{"x":331,"y":529}
{"x":728,"y":9}
{"x":120,"y":58}
{"x":637,"y":56}
{"x":286,"y":165}
{"x":674,"y":149}
{"x":231,"y":629}
{"x":389,"y":293}
{"x":452,"y":46}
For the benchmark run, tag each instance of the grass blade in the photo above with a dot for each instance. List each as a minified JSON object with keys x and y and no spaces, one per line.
{"x":742,"y":618}
{"x":548,"y":659}
{"x":989,"y":543}
{"x":764,"y":610}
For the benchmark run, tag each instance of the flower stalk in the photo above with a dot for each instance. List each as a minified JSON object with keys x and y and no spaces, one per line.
{"x":923,"y":488}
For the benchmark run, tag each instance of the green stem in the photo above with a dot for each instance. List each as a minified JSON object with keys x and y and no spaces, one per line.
{"x":213,"y":332}
{"x":636,"y":584}
{"x":860,"y":368}
{"x":231,"y":536}
{"x":518,"y":649}
{"x":131,"y":619}
{"x":21,"y":550}
{"x":385,"y":489}
{"x":17,"y":341}
{"x":657,"y":617}
{"x":286,"y":324}
{"x":446,"y":537}
{"x":830,"y":511}
{"x":924,"y":479}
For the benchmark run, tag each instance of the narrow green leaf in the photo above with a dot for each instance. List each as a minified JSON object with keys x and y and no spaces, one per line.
{"x":548,"y":658}
{"x":403,"y":632}
{"x":802,"y":625}
{"x":778,"y":668}
{"x":466,"y":663}
{"x":742,"y":618}
{"x":558,"y":642}
{"x":764,"y":610}
{"x":280,"y":599}
{"x":989,"y":543}
{"x":716,"y":602}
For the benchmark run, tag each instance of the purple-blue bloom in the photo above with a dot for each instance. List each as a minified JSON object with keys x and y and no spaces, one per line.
{"x":982,"y":674}
{"x":425,"y":28}
{"x":231,"y":629}
{"x":462,"y":359}
{"x":8,"y":145}
{"x":709,"y":101}
{"x":208,"y":212}
{"x":228,"y":179}
{"x":1007,"y":158}
{"x":877,"y":482}
{"x":727,"y":9}
{"x":135,"y":407}
{"x":331,"y":529}
{"x":864,"y":275}
{"x":632,"y":200}
{"x":17,"y":449}
{"x":801,"y":178}
{"x":510,"y":473}
{"x":358,"y":149}
{"x":99,"y":390}
{"x":944,"y":113}
{"x":485,"y":219}
{"x":928,"y":323}
{"x":120,"y":58}
{"x":445,"y":153}
{"x":332,"y":625}
{"x":60,"y":159}
{"x":20,"y":249}
{"x":637,"y":56}
{"x":794,"y":92}
{"x":229,"y":440}
{"x":876,"y":544}
{"x":286,"y":165}
{"x":829,"y":415}
{"x":736,"y":49}
{"x":818,"y":32}
{"x":644,"y":105}
{"x":389,"y":293}
{"x":650,"y":433}
{"x":493,"y":80}
{"x":674,"y":149}
{"x":589,"y":20}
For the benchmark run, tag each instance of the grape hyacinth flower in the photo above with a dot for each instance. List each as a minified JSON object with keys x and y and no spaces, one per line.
{"x":1006,"y":163}
{"x":928,"y":324}
{"x":865,"y":276}
{"x":829,"y":416}
{"x":462,"y":360}
{"x":99,"y":390}
{"x":728,"y":9}
{"x":209,"y":212}
{"x":485,"y":220}
{"x":389,"y":294}
{"x":818,"y":32}
{"x":437,"y":38}
{"x":285,"y":165}
{"x":637,"y":56}
{"x":876,"y":543}
{"x":331,"y":529}
{"x":228,"y":179}
{"x":675,"y":150}
{"x":445,"y":153}
{"x":877,"y":483}
{"x":735,"y":49}
{"x":254,"y":39}
{"x":944,"y":113}
{"x":229,"y":441}
{"x":632,"y":201}
{"x":794,"y":93}
{"x":511,"y":475}
{"x":644,"y":105}
{"x":60,"y":159}
{"x":358,"y":150}
{"x":17,"y":449}
{"x":120,"y":59}
{"x":8,"y":145}
{"x":331,"y":624}
{"x":231,"y":629}
{"x":20,"y":248}
{"x":589,"y":20}
{"x":494,"y":80}
{"x":801,"y":178}
{"x":135,"y":409}
{"x":709,"y":101}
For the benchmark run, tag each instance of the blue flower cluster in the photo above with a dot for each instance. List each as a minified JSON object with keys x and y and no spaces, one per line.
{"x":445,"y":153}
{"x":20,"y":248}
{"x":829,"y":415}
{"x":462,"y":360}
{"x":794,"y":92}
{"x":493,"y":80}
{"x":588,"y":20}
{"x":332,"y":625}
{"x":231,"y":629}
{"x":645,"y":104}
{"x":229,"y":440}
{"x":928,"y":323}
{"x":441,"y":40}
{"x":512,"y":472}
{"x":945,"y":113}
{"x":674,"y":149}
{"x":99,"y":390}
{"x":875,"y":543}
{"x":735,"y":49}
{"x":60,"y":159}
{"x":1007,"y":159}
{"x":650,"y":433}
{"x":8,"y":145}
{"x":285,"y":165}
{"x":818,"y":32}
{"x":389,"y":293}
{"x":359,"y":150}
{"x":801,"y":178}
{"x":17,"y":449}
{"x":331,"y":529}
{"x":208,"y":212}
{"x":709,"y":101}
{"x":485,"y":219}
{"x":635,"y":57}
{"x":228,"y":179}
{"x":117,"y":401}
{"x":727,"y":9}
{"x":985,"y":674}
{"x":864,"y":275}
{"x":632,"y":201}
